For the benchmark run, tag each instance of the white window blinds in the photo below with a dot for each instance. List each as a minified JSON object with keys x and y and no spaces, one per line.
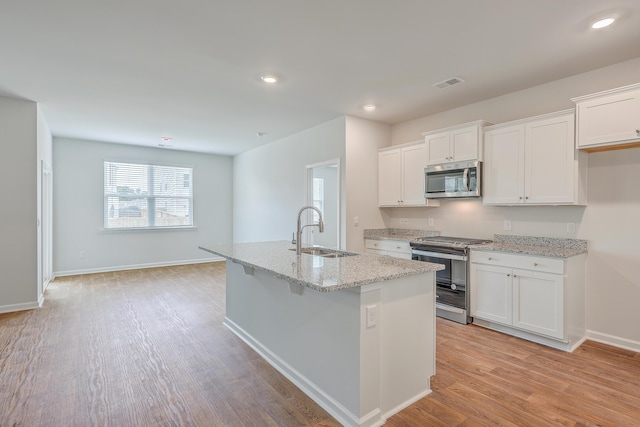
{"x":147,"y":196}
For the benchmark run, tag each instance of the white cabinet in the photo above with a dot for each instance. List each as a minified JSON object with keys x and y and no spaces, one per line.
{"x":493,"y":293}
{"x":609,"y":120}
{"x":532,"y":297}
{"x":534,"y":162}
{"x":456,"y":143}
{"x":394,"y":248}
{"x":401,"y":176}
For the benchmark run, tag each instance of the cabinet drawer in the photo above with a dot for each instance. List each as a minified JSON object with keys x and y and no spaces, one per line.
{"x":525,"y":262}
{"x":388,"y":245}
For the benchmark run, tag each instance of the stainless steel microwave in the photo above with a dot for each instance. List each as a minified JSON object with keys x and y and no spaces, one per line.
{"x":459,"y":179}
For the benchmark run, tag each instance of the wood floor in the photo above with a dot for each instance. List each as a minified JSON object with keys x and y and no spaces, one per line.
{"x":148,"y":348}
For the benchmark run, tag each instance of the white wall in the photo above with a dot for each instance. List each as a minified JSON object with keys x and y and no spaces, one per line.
{"x":269,"y":184}
{"x":609,"y":222}
{"x":364,"y":138}
{"x":78,"y":204}
{"x":18,"y":215}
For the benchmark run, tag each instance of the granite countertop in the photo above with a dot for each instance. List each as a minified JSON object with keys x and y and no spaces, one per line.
{"x":318,"y":273}
{"x":397,"y":234}
{"x":538,"y":246}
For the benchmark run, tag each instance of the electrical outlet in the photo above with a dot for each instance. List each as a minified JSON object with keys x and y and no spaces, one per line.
{"x":81,"y":254}
{"x":571,"y":227}
{"x":356,"y":221}
{"x":507,"y":225}
{"x":404,"y":221}
{"x":430,"y":222}
{"x":372,"y":316}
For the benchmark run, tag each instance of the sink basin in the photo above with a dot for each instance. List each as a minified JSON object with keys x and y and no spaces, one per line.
{"x":325,"y":253}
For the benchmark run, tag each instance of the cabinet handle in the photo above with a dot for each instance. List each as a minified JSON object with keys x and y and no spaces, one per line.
{"x":520,"y":198}
{"x":535,"y":264}
{"x":508,"y":275}
{"x":514,"y":276}
{"x":526,"y":198}
{"x":638,"y":132}
{"x":489,"y":259}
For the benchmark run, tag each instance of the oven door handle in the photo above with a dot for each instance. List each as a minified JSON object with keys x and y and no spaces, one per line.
{"x":439,"y":255}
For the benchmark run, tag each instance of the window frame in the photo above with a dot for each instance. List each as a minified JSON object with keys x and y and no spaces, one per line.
{"x":148,"y":197}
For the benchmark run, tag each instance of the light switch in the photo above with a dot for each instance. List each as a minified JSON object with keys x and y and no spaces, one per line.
{"x":356,"y":221}
{"x":507,"y":225}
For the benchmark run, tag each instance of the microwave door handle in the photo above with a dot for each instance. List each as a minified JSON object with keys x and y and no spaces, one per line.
{"x":465,"y":179}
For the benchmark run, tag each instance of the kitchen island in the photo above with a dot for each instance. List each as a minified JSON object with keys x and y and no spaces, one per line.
{"x":355,"y":332}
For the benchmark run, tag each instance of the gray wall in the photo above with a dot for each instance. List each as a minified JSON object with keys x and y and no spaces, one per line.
{"x":609,"y":222}
{"x":18,"y":215}
{"x":270,"y":182}
{"x":78,"y":214}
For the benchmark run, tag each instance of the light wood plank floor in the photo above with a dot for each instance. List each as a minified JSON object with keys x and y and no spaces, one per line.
{"x":148,"y":348}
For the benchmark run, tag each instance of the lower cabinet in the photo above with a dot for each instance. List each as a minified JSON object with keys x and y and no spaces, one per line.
{"x":529,"y":296}
{"x":394,"y":248}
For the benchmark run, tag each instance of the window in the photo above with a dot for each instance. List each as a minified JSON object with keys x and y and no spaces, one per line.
{"x":147,"y":196}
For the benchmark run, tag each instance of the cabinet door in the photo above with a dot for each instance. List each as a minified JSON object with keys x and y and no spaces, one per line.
{"x":438,"y":148}
{"x":464,"y":144}
{"x":538,"y":300}
{"x":609,"y":119}
{"x":390,"y":177}
{"x":504,"y":166}
{"x":550,"y":161}
{"x":413,"y":163}
{"x":491,"y":293}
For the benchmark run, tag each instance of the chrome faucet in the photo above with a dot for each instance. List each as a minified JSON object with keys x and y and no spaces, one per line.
{"x":320,"y":225}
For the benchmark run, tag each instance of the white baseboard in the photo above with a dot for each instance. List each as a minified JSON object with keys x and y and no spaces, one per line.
{"x":614,"y":341}
{"x":136,"y":266}
{"x":328,"y":403}
{"x":19,"y":307}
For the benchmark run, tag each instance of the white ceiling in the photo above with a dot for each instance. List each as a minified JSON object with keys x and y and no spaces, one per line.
{"x":134,"y":71}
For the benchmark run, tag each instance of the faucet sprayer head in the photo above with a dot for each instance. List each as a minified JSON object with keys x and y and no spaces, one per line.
{"x":321,"y":225}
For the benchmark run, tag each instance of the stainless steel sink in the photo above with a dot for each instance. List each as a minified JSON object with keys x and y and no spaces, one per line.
{"x":325,"y":253}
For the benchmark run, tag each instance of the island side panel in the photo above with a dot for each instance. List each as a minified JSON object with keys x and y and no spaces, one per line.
{"x":313,"y":338}
{"x":407,"y":338}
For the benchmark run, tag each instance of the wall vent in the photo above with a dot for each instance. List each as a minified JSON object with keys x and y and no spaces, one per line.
{"x":449,"y":82}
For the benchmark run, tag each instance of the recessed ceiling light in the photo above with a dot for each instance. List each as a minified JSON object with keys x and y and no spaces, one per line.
{"x":271,"y":79}
{"x":260,"y":134}
{"x":603,"y":23}
{"x":166,"y":139}
{"x":369,"y":107}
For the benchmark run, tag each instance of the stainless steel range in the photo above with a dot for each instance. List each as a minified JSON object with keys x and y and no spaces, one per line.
{"x":452,"y":293}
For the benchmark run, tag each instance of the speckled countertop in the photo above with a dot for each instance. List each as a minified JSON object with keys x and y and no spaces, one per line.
{"x":397,"y":234}
{"x":538,"y":246}
{"x":318,"y":273}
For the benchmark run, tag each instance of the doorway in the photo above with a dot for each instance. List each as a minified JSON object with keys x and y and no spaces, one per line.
{"x":323,"y":192}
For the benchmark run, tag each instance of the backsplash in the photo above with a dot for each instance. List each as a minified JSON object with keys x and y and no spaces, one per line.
{"x":387,"y":232}
{"x":550,"y":242}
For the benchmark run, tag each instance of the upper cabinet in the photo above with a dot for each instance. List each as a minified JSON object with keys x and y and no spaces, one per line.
{"x":401,"y":176}
{"x":609,"y":120}
{"x":454,"y":144}
{"x":534,"y":162}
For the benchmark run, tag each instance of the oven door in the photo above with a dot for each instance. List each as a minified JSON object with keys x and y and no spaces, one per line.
{"x":451,"y":283}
